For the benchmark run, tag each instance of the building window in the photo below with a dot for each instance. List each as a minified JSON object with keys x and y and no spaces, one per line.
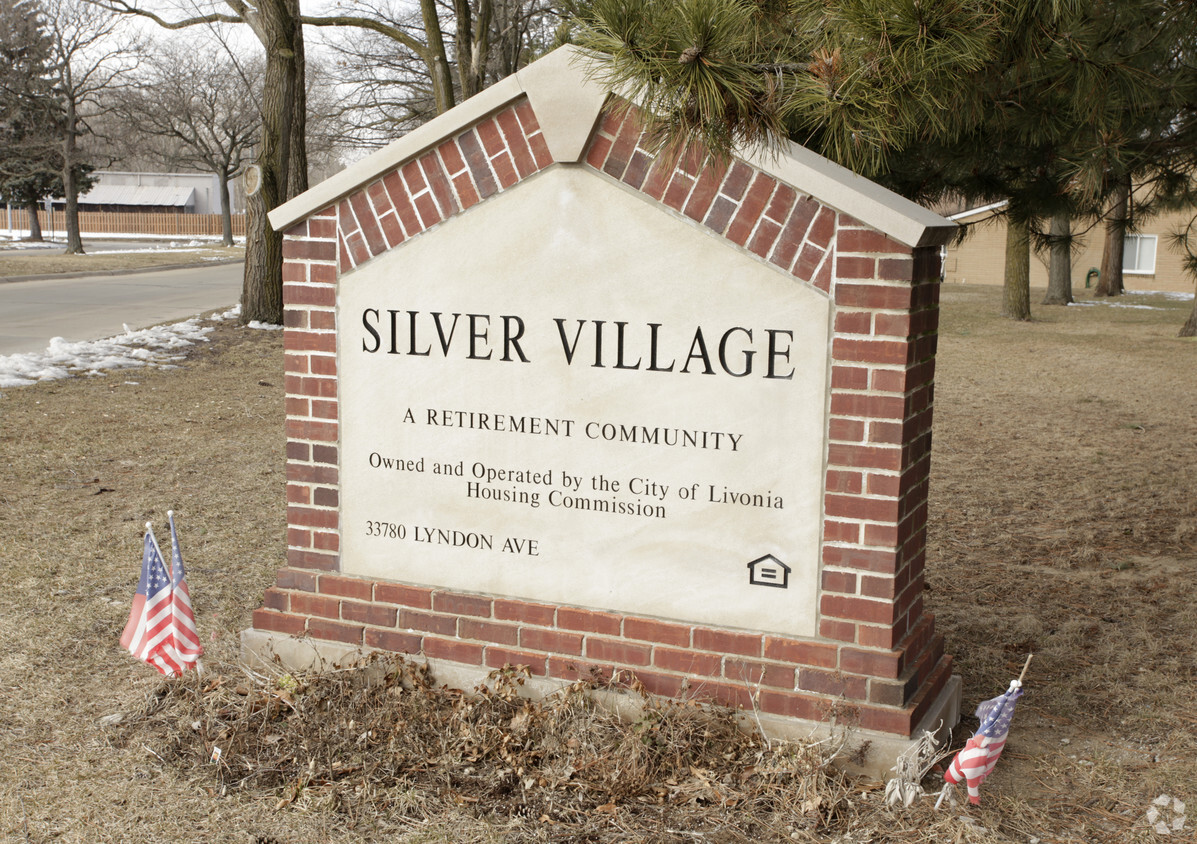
{"x":1138,"y":254}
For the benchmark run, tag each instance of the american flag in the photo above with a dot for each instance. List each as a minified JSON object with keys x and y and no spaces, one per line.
{"x":186,"y":637}
{"x":974,"y":763}
{"x":149,"y":633}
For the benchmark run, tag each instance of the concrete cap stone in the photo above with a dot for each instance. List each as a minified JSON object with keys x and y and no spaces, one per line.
{"x":567,"y":103}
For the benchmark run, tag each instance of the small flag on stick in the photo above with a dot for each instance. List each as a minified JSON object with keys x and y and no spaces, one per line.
{"x":187,"y":644}
{"x":161,"y":608}
{"x":975,"y":762}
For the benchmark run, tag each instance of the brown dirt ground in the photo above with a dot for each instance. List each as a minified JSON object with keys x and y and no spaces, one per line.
{"x":17,"y":263}
{"x":1063,"y":522}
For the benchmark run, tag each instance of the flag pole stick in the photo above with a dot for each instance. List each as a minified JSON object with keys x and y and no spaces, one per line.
{"x":1025,"y":667}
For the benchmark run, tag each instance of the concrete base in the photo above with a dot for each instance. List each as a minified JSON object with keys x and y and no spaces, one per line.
{"x":864,"y":752}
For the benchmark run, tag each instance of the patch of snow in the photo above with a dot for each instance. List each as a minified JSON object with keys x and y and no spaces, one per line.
{"x":159,"y":347}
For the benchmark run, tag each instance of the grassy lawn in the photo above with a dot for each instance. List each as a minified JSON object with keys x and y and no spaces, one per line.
{"x":1063,"y":522}
{"x":16,"y":263}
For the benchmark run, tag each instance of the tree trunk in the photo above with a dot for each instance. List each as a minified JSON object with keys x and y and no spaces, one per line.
{"x":438,"y":61}
{"x":1190,"y":327}
{"x":1016,"y":296}
{"x":1110,"y":281}
{"x":35,"y":225}
{"x":226,"y":213}
{"x":1059,"y":270}
{"x":70,"y":187}
{"x":281,"y":158}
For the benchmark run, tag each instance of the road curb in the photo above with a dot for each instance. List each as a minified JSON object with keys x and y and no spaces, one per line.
{"x":130,"y":271}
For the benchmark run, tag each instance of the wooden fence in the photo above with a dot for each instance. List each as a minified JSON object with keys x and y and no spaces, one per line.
{"x":120,"y":222}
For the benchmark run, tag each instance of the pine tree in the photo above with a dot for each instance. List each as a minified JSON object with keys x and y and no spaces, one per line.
{"x":30,"y":113}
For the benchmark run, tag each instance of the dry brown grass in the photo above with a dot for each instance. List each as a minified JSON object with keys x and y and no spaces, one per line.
{"x":22,"y":263}
{"x":1063,"y":522}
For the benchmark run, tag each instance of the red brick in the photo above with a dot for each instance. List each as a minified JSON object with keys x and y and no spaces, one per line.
{"x":372,"y":614}
{"x":833,"y":683}
{"x":885,"y":536}
{"x":855,"y":404}
{"x":720,"y":214}
{"x":439,"y":182}
{"x":276,"y":599}
{"x":878,"y":637}
{"x":441,"y":624}
{"x":596,"y":156}
{"x":335,"y":631}
{"x":705,"y":190}
{"x":839,"y":480}
{"x":854,"y":507}
{"x":751,"y":209}
{"x":309,"y":250}
{"x":542,"y":614}
{"x":418,"y":597}
{"x":469,"y":653}
{"x":849,"y":378}
{"x":576,"y":669}
{"x":801,"y":653}
{"x":866,"y":240}
{"x":294,"y":579}
{"x":476,"y":160}
{"x":864,"y":559}
{"x":834,"y":531}
{"x":401,"y":199}
{"x":504,"y":170}
{"x":809,"y":259}
{"x":846,"y":430}
{"x":312,"y":560}
{"x":394,"y":641}
{"x":822,"y":228}
{"x":662,"y":685}
{"x":540,"y":150}
{"x":552,"y":641}
{"x":326,"y":541}
{"x":497,"y":657}
{"x":789,"y":705}
{"x":324,"y":410}
{"x":311,"y":474}
{"x":492,"y":139}
{"x":297,"y":494}
{"x":760,"y":673}
{"x":324,"y":454}
{"x":864,"y":457}
{"x":451,"y":156}
{"x":724,"y":694}
{"x":298,"y":230}
{"x":657,"y":631}
{"x":886,"y":664}
{"x":279,"y":622}
{"x":637,"y":169}
{"x":312,"y":604}
{"x":766,"y":235}
{"x":309,"y":341}
{"x":793,"y":233}
{"x":514,"y":133}
{"x":833,"y":628}
{"x":300,"y":295}
{"x":839,"y":581}
{"x":688,"y":662}
{"x":887,"y":485}
{"x":451,"y":602}
{"x":869,"y":351}
{"x":590,"y":621}
{"x":854,"y":322}
{"x":872,"y":296}
{"x":308,"y":517}
{"x":622,"y":653}
{"x":738,"y":177}
{"x":472,"y":628}
{"x":678,"y":190}
{"x":724,"y":642}
{"x":658,"y":177}
{"x":465,"y":190}
{"x":326,"y":228}
{"x":347,"y":587}
{"x":895,"y":269}
{"x":294,"y":272}
{"x":323,"y":364}
{"x":369,"y":224}
{"x":888,"y":433}
{"x":855,"y":609}
{"x":322,"y":273}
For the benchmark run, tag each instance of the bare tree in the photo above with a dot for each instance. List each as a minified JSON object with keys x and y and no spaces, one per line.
{"x":93,"y":56}
{"x":281,"y":161}
{"x":207,"y":105}
{"x":402,"y":65}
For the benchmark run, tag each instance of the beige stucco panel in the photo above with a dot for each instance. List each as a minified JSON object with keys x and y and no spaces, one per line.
{"x":537,"y":254}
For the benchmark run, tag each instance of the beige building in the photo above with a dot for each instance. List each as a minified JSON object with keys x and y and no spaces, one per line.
{"x":1151,"y":260}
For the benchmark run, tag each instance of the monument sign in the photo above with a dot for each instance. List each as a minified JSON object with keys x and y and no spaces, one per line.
{"x":559,"y":401}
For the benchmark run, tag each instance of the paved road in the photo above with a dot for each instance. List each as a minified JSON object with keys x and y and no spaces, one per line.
{"x":31,"y":312}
